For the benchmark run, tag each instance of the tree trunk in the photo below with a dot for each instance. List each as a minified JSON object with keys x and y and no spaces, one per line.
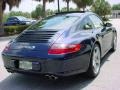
{"x":68,"y":6}
{"x":84,"y":7}
{"x":44,"y":8}
{"x":58,"y":6}
{"x":1,"y":19}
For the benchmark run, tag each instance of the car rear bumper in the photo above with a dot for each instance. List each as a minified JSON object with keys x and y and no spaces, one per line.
{"x":49,"y":66}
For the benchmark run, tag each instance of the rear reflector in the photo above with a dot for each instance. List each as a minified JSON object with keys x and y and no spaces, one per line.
{"x":64,"y":49}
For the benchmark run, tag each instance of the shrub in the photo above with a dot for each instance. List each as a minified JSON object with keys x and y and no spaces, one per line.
{"x":11,"y":30}
{"x":105,"y":18}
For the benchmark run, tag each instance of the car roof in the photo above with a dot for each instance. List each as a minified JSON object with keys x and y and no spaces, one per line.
{"x":75,"y":13}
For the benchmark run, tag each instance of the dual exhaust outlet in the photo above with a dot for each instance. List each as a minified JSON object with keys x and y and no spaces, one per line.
{"x":51,"y":77}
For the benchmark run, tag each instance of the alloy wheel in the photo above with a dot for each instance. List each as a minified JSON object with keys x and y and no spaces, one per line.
{"x":96,"y":60}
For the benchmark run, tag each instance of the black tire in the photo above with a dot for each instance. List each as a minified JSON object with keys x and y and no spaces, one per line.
{"x":114,"y":44}
{"x":91,"y":71}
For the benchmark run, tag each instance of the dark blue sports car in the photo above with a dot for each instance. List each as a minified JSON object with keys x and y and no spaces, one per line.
{"x":64,"y":44}
{"x":18,"y":20}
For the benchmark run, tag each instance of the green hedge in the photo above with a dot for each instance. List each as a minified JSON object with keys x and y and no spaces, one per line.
{"x":11,"y":30}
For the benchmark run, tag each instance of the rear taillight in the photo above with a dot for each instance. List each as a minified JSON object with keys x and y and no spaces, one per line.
{"x":64,"y":48}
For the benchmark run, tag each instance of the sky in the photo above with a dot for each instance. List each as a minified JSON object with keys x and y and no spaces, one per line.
{"x":30,"y":5}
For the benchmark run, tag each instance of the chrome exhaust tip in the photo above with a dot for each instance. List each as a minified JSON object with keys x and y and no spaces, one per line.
{"x":51,"y":77}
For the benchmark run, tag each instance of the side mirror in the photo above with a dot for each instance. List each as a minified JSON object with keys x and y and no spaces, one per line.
{"x":107,"y":24}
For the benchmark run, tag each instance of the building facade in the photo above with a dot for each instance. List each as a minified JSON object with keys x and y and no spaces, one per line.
{"x":115,"y":13}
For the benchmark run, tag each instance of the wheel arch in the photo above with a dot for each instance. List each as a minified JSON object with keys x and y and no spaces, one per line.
{"x":90,"y":61}
{"x":98,"y":43}
{"x":99,"y":47}
{"x":92,"y":47}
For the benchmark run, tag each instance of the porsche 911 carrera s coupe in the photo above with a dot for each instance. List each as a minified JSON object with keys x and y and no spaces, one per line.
{"x":64,"y":44}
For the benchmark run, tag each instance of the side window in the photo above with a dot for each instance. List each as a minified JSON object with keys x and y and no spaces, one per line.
{"x":86,"y":24}
{"x":96,"y":21}
{"x":13,"y":19}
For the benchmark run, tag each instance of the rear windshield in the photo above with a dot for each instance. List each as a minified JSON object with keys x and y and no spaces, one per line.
{"x":55,"y":22}
{"x":12,"y":19}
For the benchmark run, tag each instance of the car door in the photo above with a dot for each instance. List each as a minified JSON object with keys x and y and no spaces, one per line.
{"x":105,"y":32}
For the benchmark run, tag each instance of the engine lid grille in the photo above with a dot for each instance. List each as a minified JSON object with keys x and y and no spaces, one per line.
{"x":36,"y":36}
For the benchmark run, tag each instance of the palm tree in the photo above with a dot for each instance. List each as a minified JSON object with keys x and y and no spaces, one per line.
{"x":3,"y":4}
{"x":83,"y":3}
{"x":44,"y":5}
{"x":58,"y":5}
{"x":68,"y":2}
